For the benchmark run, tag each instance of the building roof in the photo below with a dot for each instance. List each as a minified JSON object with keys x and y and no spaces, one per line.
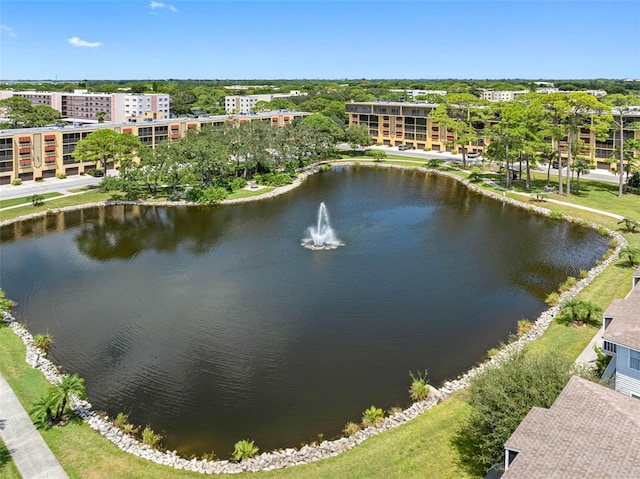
{"x":589,"y":431}
{"x":624,"y":329}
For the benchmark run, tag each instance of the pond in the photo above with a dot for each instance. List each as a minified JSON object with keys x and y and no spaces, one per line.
{"x":214,"y":324}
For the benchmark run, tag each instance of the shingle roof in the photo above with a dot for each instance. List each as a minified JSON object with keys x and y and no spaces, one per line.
{"x":625,"y":327}
{"x":589,"y":431}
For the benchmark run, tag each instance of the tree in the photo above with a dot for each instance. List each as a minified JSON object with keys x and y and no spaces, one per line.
{"x":578,"y":311}
{"x":106,"y":145}
{"x":620,"y":104}
{"x":50,"y":409}
{"x":17,"y":110}
{"x":358,"y":136}
{"x":500,"y":398}
{"x":581,"y":167}
{"x":632,"y":255}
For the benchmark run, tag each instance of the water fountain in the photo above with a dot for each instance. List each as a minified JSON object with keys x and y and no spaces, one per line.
{"x":322,"y":235}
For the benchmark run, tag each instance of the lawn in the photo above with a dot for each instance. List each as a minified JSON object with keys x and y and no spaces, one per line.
{"x":418,"y":449}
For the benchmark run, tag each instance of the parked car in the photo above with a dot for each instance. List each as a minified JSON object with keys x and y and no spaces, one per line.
{"x":405,"y":147}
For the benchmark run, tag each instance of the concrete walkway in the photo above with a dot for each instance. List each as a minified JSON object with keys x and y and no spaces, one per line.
{"x":30,"y":453}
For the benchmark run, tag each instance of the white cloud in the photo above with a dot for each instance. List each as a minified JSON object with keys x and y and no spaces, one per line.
{"x":77,"y":42}
{"x":155,"y":5}
{"x":8,"y":30}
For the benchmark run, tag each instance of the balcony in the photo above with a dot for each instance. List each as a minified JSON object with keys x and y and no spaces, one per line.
{"x":609,"y":347}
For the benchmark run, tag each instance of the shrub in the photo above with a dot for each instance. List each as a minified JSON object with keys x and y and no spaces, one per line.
{"x":350,"y":429}
{"x":275,"y":179}
{"x":372,"y":416}
{"x":43,"y":341}
{"x":500,"y":398}
{"x":419,"y":390}
{"x":16,"y":182}
{"x":578,"y":311}
{"x":61,"y":176}
{"x":5,"y":303}
{"x":150,"y":438}
{"x":524,"y":326}
{"x":121,"y":419}
{"x":213,"y":195}
{"x":36,"y":200}
{"x":194,"y":195}
{"x":244,"y":449}
{"x":552,"y":299}
{"x":632,"y":255}
{"x":569,"y":283}
{"x":433,"y":163}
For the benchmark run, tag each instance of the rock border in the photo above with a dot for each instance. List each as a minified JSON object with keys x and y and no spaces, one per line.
{"x":310,"y":453}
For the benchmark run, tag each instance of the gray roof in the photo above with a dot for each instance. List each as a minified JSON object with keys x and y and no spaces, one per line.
{"x":625,"y":326}
{"x":589,"y":431}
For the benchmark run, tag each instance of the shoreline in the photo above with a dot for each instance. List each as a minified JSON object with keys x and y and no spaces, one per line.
{"x":309,"y":453}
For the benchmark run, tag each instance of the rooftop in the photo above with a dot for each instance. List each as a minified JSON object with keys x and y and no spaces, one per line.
{"x":589,"y":431}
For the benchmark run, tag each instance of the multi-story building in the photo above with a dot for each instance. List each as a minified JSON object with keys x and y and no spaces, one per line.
{"x":394,"y":124}
{"x":244,"y":103}
{"x":501,"y":95}
{"x":31,"y":153}
{"x":85,"y":107}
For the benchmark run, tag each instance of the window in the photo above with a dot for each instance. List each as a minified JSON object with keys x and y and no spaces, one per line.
{"x":634,"y":359}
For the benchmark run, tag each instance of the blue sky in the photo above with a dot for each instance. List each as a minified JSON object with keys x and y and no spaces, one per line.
{"x":137,"y":39}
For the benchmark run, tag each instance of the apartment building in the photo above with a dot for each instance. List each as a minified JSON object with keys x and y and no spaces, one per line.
{"x":85,"y":107}
{"x":400,"y":123}
{"x":244,"y":103}
{"x":501,"y":95}
{"x":32,"y":153}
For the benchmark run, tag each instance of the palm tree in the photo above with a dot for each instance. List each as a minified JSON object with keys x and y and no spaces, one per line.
{"x":632,"y":254}
{"x":68,"y":387}
{"x":578,"y":311}
{"x":581,"y":167}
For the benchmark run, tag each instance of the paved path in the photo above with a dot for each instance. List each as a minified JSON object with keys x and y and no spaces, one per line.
{"x":30,"y":453}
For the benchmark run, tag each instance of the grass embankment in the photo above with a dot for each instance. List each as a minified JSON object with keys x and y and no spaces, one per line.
{"x":420,"y":448}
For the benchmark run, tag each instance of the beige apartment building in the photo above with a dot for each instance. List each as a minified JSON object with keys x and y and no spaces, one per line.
{"x":33,"y":153}
{"x":395,"y":124}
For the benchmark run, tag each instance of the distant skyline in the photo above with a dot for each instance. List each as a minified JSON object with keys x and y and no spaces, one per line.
{"x":307,"y":39}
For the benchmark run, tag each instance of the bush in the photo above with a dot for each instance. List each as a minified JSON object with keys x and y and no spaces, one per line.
{"x":372,"y":416}
{"x":634,"y":180}
{"x":350,"y":429}
{"x":43,"y":341}
{"x":274,"y":179}
{"x":419,"y":390}
{"x":111,"y":183}
{"x":552,"y":299}
{"x":16,"y":182}
{"x":150,"y":438}
{"x":36,"y":200}
{"x":5,"y":303}
{"x":578,"y":311}
{"x":569,"y":283}
{"x":244,"y":449}
{"x":213,"y":195}
{"x":500,"y":398}
{"x":61,"y":176}
{"x":524,"y":326}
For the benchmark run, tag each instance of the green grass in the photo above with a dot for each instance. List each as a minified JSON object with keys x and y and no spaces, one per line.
{"x":8,"y":469}
{"x":25,"y":199}
{"x":417,"y":449}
